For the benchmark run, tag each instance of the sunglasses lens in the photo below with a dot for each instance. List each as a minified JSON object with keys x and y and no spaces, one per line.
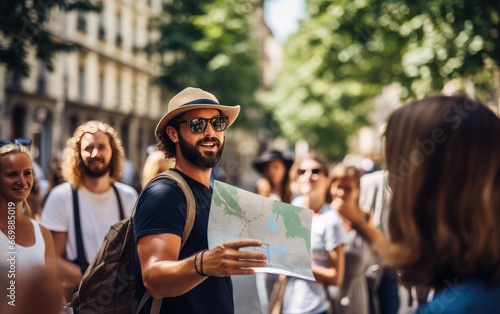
{"x":5,"y":142}
{"x":219,"y":123}
{"x":23,"y":141}
{"x":314,"y":171}
{"x":17,"y":141}
{"x":197,"y":125}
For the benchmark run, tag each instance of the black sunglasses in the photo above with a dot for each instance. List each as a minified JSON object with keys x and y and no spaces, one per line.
{"x":198,"y":125}
{"x":18,"y":141}
{"x":313,"y":171}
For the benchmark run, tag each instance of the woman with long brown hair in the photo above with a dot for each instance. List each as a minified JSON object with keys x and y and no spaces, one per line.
{"x":443,"y":158}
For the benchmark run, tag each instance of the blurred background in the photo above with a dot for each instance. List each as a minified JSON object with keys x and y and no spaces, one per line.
{"x":308,"y":74}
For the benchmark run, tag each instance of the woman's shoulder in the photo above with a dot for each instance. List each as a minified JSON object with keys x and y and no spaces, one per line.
{"x":470,"y":296}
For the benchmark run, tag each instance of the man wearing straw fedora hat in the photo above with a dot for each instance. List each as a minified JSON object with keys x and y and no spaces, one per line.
{"x":189,"y":278}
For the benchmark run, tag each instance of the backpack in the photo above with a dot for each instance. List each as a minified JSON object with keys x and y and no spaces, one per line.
{"x":108,"y":285}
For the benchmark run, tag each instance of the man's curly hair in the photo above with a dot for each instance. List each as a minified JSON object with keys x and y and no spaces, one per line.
{"x":72,"y":165}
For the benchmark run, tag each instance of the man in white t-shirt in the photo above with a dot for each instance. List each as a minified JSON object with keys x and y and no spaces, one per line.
{"x":92,"y":164}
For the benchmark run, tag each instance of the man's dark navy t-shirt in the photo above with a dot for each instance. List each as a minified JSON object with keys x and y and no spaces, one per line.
{"x":162,"y":209}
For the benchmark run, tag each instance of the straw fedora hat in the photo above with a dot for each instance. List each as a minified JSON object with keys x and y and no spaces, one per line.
{"x":194,"y":98}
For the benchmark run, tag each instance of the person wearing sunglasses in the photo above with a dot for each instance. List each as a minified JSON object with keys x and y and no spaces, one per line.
{"x":191,"y":278}
{"x":327,"y":242}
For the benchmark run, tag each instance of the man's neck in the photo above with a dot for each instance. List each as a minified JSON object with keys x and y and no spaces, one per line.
{"x":97,"y":185}
{"x":194,"y":172}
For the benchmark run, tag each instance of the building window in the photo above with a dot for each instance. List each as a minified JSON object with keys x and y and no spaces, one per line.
{"x":16,"y":80}
{"x":118,"y":92}
{"x":101,"y":35}
{"x":41,"y":86}
{"x":134,"y":38}
{"x":81,"y":22}
{"x":118,"y":30}
{"x":81,"y":84}
{"x":101,"y":89}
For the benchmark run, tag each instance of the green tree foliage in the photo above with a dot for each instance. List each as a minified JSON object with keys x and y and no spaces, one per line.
{"x":345,"y":52}
{"x":22,"y":27}
{"x":208,"y":44}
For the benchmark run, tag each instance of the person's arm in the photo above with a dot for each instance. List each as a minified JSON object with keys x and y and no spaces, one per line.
{"x":263,"y":187}
{"x":50,"y":251}
{"x":352,"y":212}
{"x":334,"y":273}
{"x":165,"y":276}
{"x":68,"y":272}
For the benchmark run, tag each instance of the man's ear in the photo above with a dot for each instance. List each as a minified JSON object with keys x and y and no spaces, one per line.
{"x":172,"y":134}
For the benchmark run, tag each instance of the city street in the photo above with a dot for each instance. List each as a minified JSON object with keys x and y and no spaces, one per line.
{"x":246,"y":300}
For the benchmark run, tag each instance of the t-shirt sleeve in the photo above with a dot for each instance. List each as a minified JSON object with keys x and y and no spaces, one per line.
{"x":128,"y":197}
{"x":54,"y":213}
{"x":161,"y":209}
{"x":334,"y":233}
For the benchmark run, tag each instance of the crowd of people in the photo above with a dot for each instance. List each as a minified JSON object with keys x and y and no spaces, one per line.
{"x":429,"y":221}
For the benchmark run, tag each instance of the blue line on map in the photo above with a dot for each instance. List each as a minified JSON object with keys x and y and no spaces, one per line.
{"x":271,"y":224}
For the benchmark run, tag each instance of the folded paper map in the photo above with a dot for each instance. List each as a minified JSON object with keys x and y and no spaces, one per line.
{"x":284,"y":229}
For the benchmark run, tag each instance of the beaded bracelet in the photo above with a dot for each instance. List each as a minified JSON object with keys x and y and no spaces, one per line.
{"x":201,"y":264}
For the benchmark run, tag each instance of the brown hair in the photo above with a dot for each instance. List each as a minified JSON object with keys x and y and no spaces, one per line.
{"x":443,"y":156}
{"x":72,"y":165}
{"x":165,"y":144}
{"x":341,"y":171}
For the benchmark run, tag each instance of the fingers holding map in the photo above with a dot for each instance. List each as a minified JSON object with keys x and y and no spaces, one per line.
{"x":284,"y":229}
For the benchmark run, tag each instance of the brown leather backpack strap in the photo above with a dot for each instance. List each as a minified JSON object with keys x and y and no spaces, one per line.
{"x":278,"y":295}
{"x":188,"y":226}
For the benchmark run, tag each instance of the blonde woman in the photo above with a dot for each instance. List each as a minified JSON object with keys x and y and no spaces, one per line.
{"x":24,"y":244}
{"x":34,"y":243}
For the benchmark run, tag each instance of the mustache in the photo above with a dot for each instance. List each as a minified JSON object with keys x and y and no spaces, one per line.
{"x":208,"y":139}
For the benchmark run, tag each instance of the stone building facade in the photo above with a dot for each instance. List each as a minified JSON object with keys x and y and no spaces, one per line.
{"x":106,"y":78}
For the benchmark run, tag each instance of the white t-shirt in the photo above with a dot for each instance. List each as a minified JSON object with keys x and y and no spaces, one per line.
{"x":375,"y":197}
{"x":23,"y":257}
{"x":98,"y":212}
{"x":327,"y":233}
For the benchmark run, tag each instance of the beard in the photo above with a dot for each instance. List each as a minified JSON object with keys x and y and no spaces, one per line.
{"x":96,"y":173}
{"x":193,"y":155}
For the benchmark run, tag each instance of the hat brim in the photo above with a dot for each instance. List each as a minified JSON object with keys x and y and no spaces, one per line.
{"x":230,"y":111}
{"x":259,"y":163}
